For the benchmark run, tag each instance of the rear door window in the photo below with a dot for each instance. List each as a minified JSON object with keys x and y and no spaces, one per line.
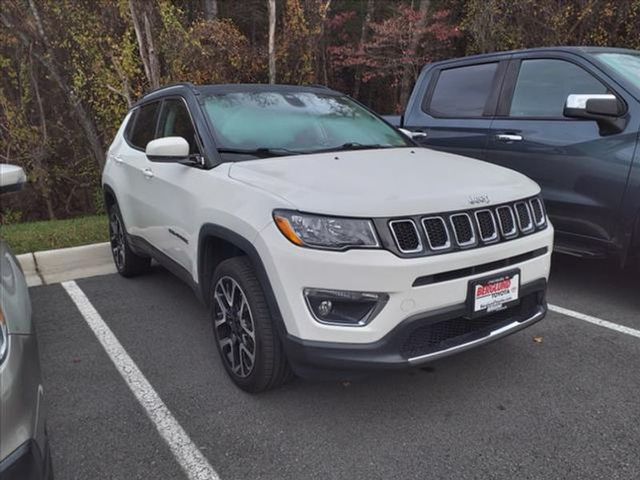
{"x":463,"y":92}
{"x":543,"y":86}
{"x":144,"y":127}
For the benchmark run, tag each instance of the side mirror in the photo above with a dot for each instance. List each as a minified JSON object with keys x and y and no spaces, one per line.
{"x":12,"y":178}
{"x":413,"y":135}
{"x":606,"y":109}
{"x":167,"y":149}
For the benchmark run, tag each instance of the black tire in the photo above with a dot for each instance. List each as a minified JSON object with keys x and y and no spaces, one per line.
{"x":128,"y":263}
{"x":240,"y":331}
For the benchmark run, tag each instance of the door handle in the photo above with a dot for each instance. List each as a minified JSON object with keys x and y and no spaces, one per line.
{"x":148,"y":173}
{"x":508,"y":137}
{"x":118,"y":159}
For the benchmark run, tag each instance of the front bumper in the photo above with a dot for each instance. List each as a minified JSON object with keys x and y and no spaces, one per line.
{"x":419,"y":339}
{"x":416,"y":287}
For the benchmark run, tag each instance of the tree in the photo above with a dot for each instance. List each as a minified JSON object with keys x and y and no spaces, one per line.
{"x":272,"y":42}
{"x":142,"y":15}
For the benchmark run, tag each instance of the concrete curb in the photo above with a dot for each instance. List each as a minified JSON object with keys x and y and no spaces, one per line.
{"x":53,"y":266}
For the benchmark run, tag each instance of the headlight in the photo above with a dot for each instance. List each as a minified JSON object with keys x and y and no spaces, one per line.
{"x":4,"y":337}
{"x":334,"y":233}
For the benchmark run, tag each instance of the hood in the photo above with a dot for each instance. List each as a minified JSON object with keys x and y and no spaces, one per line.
{"x":383,"y":182}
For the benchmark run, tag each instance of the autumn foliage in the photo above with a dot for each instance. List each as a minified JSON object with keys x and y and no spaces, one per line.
{"x":70,"y":69}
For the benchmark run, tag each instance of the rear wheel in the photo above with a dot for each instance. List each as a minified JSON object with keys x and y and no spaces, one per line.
{"x":246,"y":337}
{"x":127,"y":262}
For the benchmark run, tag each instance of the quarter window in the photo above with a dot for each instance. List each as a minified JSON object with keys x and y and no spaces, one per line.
{"x":144,"y":126}
{"x":543,"y":86}
{"x":176,"y":122}
{"x":463,"y":91}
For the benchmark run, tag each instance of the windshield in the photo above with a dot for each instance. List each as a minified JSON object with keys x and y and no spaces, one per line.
{"x":295,"y":122}
{"x":626,"y":64}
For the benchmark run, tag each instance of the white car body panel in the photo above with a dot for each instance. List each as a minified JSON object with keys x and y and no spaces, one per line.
{"x":384,"y":182}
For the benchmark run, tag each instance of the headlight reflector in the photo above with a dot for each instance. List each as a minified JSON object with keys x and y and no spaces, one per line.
{"x":318,"y":231}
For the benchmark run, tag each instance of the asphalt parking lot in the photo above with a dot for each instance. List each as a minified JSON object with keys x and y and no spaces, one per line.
{"x":566,"y":405}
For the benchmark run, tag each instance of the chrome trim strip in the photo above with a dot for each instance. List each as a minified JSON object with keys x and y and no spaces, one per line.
{"x":543,"y":220}
{"x":529,"y":227}
{"x":415,"y":228}
{"x":513,"y":232}
{"x":455,"y":234}
{"x":496,"y":334}
{"x":446,"y":231}
{"x":495,"y":236}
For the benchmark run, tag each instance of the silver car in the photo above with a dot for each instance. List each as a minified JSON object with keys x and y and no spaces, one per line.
{"x":24,"y":449}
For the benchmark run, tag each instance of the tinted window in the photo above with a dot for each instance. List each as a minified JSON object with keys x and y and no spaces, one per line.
{"x":543,"y":86}
{"x":144,"y":126}
{"x":176,"y":122}
{"x":463,"y":91}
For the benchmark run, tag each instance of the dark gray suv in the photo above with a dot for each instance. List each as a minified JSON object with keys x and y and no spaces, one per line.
{"x":567,"y":117}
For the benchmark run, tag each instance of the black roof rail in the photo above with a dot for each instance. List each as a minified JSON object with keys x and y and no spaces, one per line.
{"x":178,"y":84}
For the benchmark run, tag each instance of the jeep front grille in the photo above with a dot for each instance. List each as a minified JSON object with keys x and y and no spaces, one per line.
{"x":525,"y":222}
{"x":463,"y":229}
{"x":507,"y":221}
{"x":487,"y":228}
{"x":435,"y":229}
{"x":426,"y":235}
{"x":538,"y":212}
{"x":406,"y":235}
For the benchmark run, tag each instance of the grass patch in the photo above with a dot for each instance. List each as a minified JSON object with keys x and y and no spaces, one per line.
{"x":47,"y":235}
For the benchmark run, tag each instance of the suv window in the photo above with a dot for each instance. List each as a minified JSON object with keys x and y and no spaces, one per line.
{"x":463,"y":91}
{"x":175,"y":121}
{"x":144,"y":127}
{"x":543,"y":86}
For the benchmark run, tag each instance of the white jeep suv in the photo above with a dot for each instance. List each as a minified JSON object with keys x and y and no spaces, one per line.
{"x":323,"y":239}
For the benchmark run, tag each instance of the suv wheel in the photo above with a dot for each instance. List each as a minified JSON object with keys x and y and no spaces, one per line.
{"x":248,"y":343}
{"x":127,"y":262}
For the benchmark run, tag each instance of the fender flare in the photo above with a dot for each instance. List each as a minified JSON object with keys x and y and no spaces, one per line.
{"x":210,"y":230}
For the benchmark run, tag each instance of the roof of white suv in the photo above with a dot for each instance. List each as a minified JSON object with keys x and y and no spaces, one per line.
{"x":234,"y":88}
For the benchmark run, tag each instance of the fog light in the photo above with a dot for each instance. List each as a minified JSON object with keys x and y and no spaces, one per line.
{"x":325,"y":308}
{"x":339,"y":307}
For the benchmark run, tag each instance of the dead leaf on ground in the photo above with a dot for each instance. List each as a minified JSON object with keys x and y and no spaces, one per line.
{"x":537,"y":339}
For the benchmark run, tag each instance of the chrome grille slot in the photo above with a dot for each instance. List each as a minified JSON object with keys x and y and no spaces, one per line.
{"x":405,"y":233}
{"x":437,"y":235}
{"x":487,"y":228}
{"x":525,"y":222}
{"x":507,"y":221}
{"x":538,"y":212}
{"x":463,"y":229}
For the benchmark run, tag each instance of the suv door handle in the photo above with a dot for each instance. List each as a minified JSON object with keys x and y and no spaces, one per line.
{"x":508,"y":137}
{"x":118,"y":158}
{"x":148,"y":173}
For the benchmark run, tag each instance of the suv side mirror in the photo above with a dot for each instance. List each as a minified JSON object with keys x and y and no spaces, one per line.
{"x":167,"y":149}
{"x":12,"y":178}
{"x":606,"y":109}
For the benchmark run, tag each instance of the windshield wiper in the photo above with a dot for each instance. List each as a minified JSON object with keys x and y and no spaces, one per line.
{"x":262,"y":152}
{"x":352,"y":146}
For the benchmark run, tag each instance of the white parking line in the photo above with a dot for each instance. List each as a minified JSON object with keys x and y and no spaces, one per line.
{"x":194,"y":464}
{"x":596,"y":321}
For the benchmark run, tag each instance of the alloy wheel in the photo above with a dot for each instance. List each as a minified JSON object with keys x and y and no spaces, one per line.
{"x":116,"y":235}
{"x":233,"y":323}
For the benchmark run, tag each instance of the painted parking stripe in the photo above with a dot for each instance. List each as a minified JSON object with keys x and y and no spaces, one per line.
{"x":194,"y":464}
{"x":596,"y":321}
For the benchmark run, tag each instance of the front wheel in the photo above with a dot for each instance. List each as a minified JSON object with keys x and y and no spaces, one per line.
{"x":246,"y":337}
{"x":127,"y":262}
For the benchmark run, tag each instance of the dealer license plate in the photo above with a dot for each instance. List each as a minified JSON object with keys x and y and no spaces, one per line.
{"x":494,"y":293}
